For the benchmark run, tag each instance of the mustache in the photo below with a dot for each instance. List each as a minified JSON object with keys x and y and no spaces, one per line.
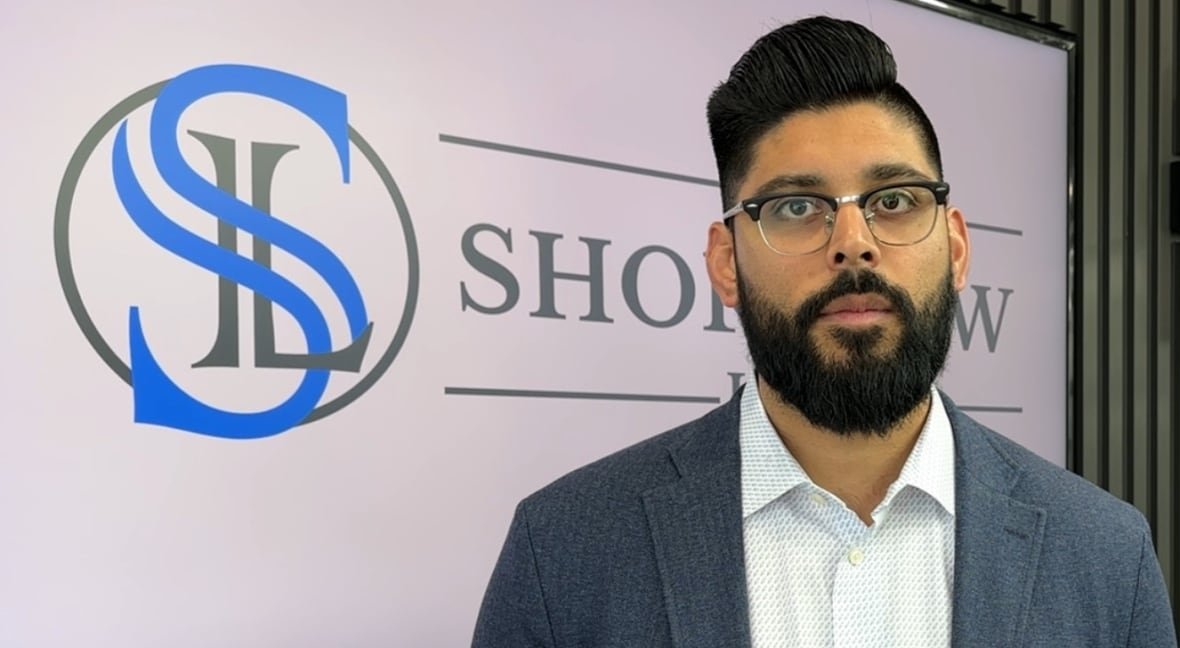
{"x":854,"y":282}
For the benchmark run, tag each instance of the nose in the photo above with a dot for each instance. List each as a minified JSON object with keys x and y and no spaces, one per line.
{"x":852,"y":244}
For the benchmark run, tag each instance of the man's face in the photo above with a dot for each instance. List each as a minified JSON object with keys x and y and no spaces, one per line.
{"x":854,"y":334}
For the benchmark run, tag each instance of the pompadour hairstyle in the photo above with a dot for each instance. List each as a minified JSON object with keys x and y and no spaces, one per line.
{"x":811,"y":64}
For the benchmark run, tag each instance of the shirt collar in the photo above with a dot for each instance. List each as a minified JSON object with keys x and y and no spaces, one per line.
{"x":931,"y":465}
{"x":768,"y":470}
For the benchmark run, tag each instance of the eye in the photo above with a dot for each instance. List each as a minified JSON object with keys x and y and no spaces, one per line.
{"x":893,"y":202}
{"x":795,"y":208}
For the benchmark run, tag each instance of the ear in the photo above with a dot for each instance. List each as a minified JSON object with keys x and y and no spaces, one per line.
{"x":721,"y":263}
{"x":960,"y":246}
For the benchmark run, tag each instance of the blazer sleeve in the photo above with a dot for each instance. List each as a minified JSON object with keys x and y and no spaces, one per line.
{"x":513,"y":613}
{"x":1151,"y":613}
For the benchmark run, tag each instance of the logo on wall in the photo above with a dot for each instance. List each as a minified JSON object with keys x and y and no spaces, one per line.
{"x":152,"y":226}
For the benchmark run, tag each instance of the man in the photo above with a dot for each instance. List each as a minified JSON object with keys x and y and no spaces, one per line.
{"x":840,"y":499}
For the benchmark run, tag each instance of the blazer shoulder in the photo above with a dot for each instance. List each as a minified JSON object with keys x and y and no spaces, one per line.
{"x":1073,"y":502}
{"x":1096,"y":564}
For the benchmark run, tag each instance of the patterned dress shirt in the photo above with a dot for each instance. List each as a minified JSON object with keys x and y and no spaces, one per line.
{"x":817,"y":575}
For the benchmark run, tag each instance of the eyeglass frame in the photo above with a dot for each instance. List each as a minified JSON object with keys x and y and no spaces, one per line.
{"x":753,"y":207}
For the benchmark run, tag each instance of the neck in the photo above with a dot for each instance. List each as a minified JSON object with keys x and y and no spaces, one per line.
{"x":856,"y":467}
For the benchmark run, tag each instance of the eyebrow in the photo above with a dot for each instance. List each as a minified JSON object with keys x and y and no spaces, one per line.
{"x":886,"y":172}
{"x":798,"y":181}
{"x":893,"y":171}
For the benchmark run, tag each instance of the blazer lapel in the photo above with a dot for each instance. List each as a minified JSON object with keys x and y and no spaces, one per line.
{"x":998,"y":542}
{"x":696,"y":526}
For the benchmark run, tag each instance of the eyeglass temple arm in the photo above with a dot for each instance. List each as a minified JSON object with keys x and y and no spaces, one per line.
{"x":733,"y":211}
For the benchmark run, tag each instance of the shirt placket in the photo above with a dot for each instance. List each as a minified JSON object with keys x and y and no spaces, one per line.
{"x":855,"y":595}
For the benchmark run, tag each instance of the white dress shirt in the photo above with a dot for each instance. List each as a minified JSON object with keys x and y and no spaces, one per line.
{"x":817,"y":575}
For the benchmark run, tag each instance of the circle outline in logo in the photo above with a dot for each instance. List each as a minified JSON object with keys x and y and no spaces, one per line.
{"x":65,"y":269}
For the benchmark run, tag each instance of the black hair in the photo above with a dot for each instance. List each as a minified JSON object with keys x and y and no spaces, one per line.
{"x":811,"y":64}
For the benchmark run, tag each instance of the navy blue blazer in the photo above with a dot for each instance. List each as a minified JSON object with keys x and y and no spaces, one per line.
{"x":644,"y":549}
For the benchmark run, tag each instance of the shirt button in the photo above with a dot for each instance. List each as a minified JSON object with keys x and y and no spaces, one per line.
{"x":818,"y":499}
{"x":856,"y":556}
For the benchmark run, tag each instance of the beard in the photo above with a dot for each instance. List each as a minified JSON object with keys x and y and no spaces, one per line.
{"x":866,"y":391}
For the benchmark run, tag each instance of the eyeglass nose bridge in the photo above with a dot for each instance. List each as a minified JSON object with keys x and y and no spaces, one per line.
{"x":855,"y":199}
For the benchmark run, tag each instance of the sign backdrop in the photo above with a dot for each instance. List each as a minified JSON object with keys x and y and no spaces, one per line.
{"x":301,"y":298}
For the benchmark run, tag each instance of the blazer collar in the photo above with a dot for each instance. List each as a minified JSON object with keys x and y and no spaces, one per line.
{"x":696,"y":527}
{"x":998,"y":539}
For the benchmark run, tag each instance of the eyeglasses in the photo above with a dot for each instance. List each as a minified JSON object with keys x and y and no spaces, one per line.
{"x":801,"y":223}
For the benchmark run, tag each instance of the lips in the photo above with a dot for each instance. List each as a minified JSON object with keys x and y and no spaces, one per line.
{"x":861,"y":310}
{"x":853,"y":305}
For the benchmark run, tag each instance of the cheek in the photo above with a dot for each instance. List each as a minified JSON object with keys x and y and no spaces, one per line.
{"x":918,"y":268}
{"x":788,"y":285}
{"x":928,"y":281}
{"x":775,"y":286}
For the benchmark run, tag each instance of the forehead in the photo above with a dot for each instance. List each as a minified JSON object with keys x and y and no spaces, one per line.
{"x":840,"y":146}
